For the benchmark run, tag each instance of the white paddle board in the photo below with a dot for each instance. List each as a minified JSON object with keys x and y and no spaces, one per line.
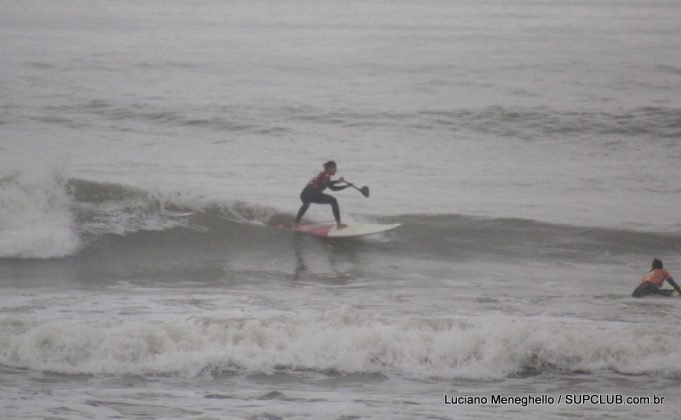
{"x":329,"y":230}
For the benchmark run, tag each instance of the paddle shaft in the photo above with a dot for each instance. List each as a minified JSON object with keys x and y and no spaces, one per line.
{"x":674,"y":285}
{"x":363,"y":190}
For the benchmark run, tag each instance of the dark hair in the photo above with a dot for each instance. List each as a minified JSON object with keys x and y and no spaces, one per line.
{"x":657,"y":264}
{"x":329,"y":164}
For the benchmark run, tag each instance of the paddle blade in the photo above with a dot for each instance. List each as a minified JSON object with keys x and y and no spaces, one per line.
{"x":364,"y":191}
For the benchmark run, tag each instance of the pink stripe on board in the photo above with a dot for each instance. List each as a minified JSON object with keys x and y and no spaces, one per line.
{"x":321,"y":230}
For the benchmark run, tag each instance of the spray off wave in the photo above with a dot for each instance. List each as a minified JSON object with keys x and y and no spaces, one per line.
{"x":36,"y":217}
{"x":48,"y":216}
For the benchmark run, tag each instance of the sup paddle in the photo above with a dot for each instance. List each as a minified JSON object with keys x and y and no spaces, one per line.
{"x":674,"y":285}
{"x":364,"y":190}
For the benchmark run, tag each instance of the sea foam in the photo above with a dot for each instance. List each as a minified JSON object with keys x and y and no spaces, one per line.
{"x":342,"y":341}
{"x":36,"y":218}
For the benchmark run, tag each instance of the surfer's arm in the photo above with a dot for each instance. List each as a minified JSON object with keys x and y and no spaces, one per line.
{"x":333,"y":185}
{"x":674,"y":285}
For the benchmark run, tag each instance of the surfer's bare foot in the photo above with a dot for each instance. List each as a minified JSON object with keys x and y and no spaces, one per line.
{"x":341,"y":226}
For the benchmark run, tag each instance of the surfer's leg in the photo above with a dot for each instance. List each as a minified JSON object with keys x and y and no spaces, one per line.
{"x":306,"y":196}
{"x":334,"y":206}
{"x":647,"y":289}
{"x":639,"y":291}
{"x":302,"y":211}
{"x":315,"y":196}
{"x":336,"y":210}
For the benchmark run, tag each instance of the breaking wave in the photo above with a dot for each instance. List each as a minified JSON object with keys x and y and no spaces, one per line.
{"x":343,"y":341}
{"x":52,"y":217}
{"x":36,"y":217}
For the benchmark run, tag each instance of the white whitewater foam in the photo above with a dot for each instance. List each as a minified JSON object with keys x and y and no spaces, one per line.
{"x":343,"y":340}
{"x":36,"y":218}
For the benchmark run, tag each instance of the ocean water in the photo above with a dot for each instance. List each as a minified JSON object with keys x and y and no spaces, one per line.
{"x":531,"y":149}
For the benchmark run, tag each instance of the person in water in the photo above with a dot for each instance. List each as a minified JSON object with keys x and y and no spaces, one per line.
{"x":313,"y":193}
{"x":652,"y":282}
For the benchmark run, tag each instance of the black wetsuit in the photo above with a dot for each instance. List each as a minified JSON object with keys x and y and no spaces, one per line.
{"x":647,"y":289}
{"x":313,"y":193}
{"x":652,"y":282}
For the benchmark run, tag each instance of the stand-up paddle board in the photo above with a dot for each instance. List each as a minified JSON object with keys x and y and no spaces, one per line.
{"x":329,"y":230}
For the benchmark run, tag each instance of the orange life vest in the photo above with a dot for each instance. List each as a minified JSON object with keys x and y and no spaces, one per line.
{"x":656,"y":277}
{"x":320,"y":181}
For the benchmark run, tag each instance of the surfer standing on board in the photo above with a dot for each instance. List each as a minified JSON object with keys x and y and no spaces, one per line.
{"x":313,"y":193}
{"x":652,"y":281}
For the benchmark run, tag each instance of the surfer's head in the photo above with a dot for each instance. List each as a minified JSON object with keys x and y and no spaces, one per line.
{"x":657,"y":264}
{"x":330,"y":167}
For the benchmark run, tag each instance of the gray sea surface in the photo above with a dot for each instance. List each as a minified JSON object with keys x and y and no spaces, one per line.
{"x":149,"y":150}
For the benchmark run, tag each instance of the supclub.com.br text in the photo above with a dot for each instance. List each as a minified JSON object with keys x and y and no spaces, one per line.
{"x":545,"y":399}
